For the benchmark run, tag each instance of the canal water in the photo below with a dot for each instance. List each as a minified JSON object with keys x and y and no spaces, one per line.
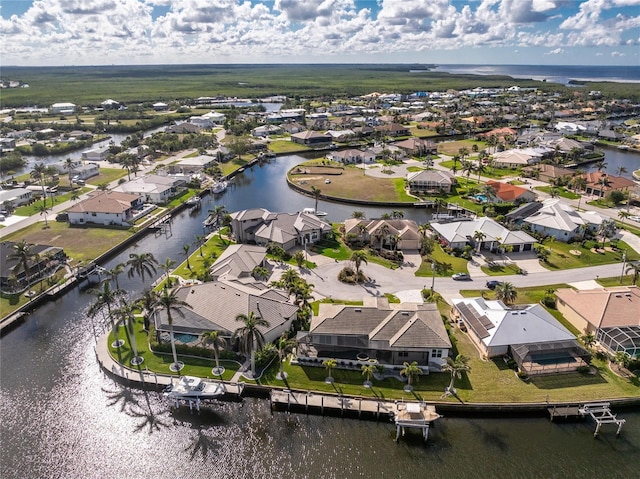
{"x":62,"y":417}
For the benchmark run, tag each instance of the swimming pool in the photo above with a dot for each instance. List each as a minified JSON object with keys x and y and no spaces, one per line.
{"x":480,"y":198}
{"x":186,"y":338}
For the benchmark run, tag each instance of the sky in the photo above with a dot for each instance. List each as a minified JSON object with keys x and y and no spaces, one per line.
{"x":124,"y":32}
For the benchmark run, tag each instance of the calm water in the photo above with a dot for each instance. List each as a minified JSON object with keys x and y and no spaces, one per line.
{"x":552,"y":73}
{"x":63,"y":418}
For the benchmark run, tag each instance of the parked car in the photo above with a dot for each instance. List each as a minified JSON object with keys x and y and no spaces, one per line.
{"x":327,"y":181}
{"x":493,"y":284}
{"x":461,"y":277}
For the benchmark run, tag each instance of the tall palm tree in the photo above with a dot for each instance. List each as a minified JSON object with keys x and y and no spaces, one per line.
{"x":200,"y":241}
{"x":315,"y":191}
{"x":249,"y":336}
{"x":217,"y":341}
{"x":126,"y":317}
{"x":506,"y":292}
{"x":603,"y":182}
{"x":23,"y":252}
{"x":38,"y":173}
{"x":358,"y":257}
{"x":397,"y":214}
{"x":601,"y":165}
{"x":185,"y":249}
{"x":107,"y":297}
{"x":329,"y":365}
{"x":147,"y":302}
{"x":480,"y":168}
{"x":412,"y":372}
{"x":289,"y":278}
{"x":621,"y":170}
{"x":623,"y":215}
{"x":260,"y":273}
{"x":169,"y":301}
{"x":633,"y":268}
{"x":359,"y":215}
{"x":142,"y":264}
{"x":114,"y":272}
{"x":467,"y":169}
{"x":167,"y":266}
{"x":456,"y":367}
{"x":285,"y":346}
{"x":588,"y":340}
{"x":43,"y":210}
{"x":68,"y":165}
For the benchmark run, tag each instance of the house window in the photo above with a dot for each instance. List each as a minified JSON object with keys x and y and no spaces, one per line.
{"x":94,"y":214}
{"x":403,"y":354}
{"x":436,"y":353}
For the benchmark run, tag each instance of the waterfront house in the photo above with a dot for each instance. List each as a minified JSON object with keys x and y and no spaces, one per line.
{"x":393,"y":129}
{"x":287,"y":230}
{"x":401,"y":234}
{"x":96,"y":154}
{"x":311,"y":138}
{"x":528,"y":333}
{"x":560,"y":220}
{"x":156,"y":189}
{"x":109,"y":208}
{"x":612,"y":315}
{"x":508,"y":193}
{"x":601,"y":184}
{"x":516,"y":158}
{"x":352,"y":156}
{"x":192,"y":165}
{"x":266,"y":130}
{"x":458,"y":234}
{"x":547,"y":173}
{"x":376,"y":333}
{"x":85,"y":171}
{"x":63,"y":108}
{"x":430,"y":181}
{"x":214,"y":306}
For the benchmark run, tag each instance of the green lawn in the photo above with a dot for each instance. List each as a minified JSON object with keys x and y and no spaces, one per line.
{"x":490,"y":172}
{"x":627,"y":280}
{"x":498,"y":268}
{"x":233,"y":165}
{"x":199,"y":257}
{"x":285,"y":146}
{"x":107,"y":175}
{"x":562,"y":191}
{"x":32,"y":209}
{"x":448,"y":264}
{"x":561,"y":258}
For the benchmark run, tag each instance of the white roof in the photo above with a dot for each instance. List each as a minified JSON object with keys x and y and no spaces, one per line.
{"x":462,"y":231}
{"x":528,"y":324}
{"x":561,"y":216}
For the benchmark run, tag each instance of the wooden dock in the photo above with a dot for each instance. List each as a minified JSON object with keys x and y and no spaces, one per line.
{"x":599,"y":412}
{"x":565,"y":412}
{"x":404,"y":414}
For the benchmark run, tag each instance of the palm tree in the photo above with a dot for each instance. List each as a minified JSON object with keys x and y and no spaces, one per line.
{"x":107,"y":297}
{"x":217,"y":341}
{"x":603,"y":182}
{"x":260,"y":272}
{"x":455,"y":367}
{"x":316,"y":194}
{"x":368,"y":370}
{"x":299,"y":258}
{"x":397,"y":214}
{"x":38,"y":173}
{"x":23,"y":252}
{"x":68,"y":165}
{"x":186,"y":248}
{"x":285,"y":346}
{"x":43,"y":210}
{"x":601,"y":165}
{"x":359,"y":215}
{"x":75,"y":196}
{"x":141,"y":264}
{"x":289,"y":278}
{"x":621,"y":170}
{"x":125,"y":313}
{"x":588,"y":340}
{"x":200,"y":241}
{"x":633,"y":268}
{"x":329,"y":365}
{"x":506,"y":292}
{"x":480,"y":168}
{"x":167,"y":266}
{"x":147,"y":302}
{"x":249,"y":336}
{"x":114,"y":272}
{"x":467,"y":169}
{"x":607,"y":229}
{"x":358,"y":257}
{"x":412,"y":372}
{"x":478,"y":237}
{"x":623,"y":215}
{"x":172,"y":304}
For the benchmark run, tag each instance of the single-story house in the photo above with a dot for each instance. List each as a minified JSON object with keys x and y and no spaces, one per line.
{"x":214,"y":306}
{"x":352,"y":156}
{"x":16,"y":196}
{"x":534,"y":338}
{"x":378,"y":333}
{"x":546,"y":172}
{"x":401,"y":234}
{"x":183,"y":128}
{"x":96,"y":154}
{"x":63,"y":108}
{"x":287,"y":230}
{"x":458,"y":234}
{"x":266,"y":130}
{"x":7,"y":144}
{"x":516,"y":158}
{"x":155,"y":189}
{"x":417,"y":146}
{"x":105,"y":208}
{"x":12,"y":275}
{"x":192,"y":165}
{"x":311,"y":138}
{"x":508,"y":193}
{"x":85,"y":171}
{"x":601,"y":184}
{"x":159,"y":106}
{"x":560,"y":220}
{"x":238,"y":262}
{"x":393,"y":129}
{"x":341,"y":135}
{"x":430,"y":181}
{"x":611,"y":314}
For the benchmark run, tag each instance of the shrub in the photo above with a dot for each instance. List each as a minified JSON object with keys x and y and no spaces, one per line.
{"x":583,"y":369}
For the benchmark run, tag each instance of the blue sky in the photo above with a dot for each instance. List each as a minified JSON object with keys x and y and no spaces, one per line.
{"x":92,"y":32}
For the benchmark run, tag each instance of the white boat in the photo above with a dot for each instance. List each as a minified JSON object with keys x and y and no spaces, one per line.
{"x":190,"y":388}
{"x":193,"y":201}
{"x":218,"y":187}
{"x":312,"y":211}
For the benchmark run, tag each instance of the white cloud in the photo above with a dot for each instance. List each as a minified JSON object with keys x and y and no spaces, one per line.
{"x":617,"y":54}
{"x":556,"y":51}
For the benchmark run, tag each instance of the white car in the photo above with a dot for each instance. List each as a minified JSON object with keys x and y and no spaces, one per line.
{"x":327,"y":181}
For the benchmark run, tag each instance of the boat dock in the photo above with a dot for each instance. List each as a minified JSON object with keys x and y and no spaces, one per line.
{"x":599,"y":412}
{"x":404,"y":414}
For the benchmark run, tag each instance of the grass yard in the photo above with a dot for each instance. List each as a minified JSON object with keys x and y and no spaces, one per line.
{"x":627,"y":280}
{"x":32,"y":209}
{"x":353,"y":184}
{"x":562,"y":258}
{"x":200,"y":257}
{"x":81,"y":244}
{"x":285,"y":146}
{"x":107,"y":175}
{"x":452,"y":147}
{"x":498,"y":268}
{"x":447,"y":264}
{"x":562,"y":191}
{"x":233,"y":165}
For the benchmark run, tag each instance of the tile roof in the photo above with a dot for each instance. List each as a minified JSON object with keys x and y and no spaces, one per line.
{"x":462,"y":231}
{"x":604,"y":307}
{"x":238,"y":260}
{"x":506,"y":191}
{"x":105,"y":202}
